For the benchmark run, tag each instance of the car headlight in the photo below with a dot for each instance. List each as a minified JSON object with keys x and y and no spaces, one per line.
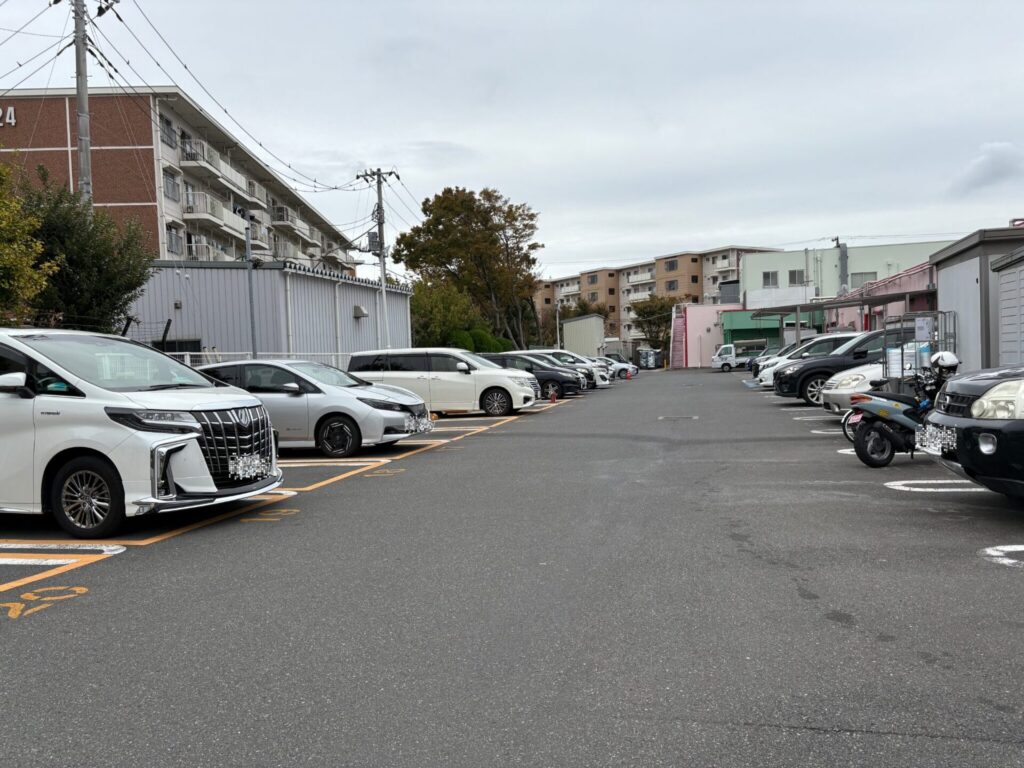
{"x":380,"y":405}
{"x":1003,"y":401}
{"x":154,"y":421}
{"x":849,"y":381}
{"x":524,"y":383}
{"x":789,"y":369}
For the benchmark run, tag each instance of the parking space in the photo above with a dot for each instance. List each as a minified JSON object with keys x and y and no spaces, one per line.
{"x":33,"y":549}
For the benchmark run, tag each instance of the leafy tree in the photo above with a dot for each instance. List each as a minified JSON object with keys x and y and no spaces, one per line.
{"x":438,"y":311}
{"x":653,"y":316}
{"x":461,"y":340}
{"x":103,"y":267}
{"x":584,"y":307}
{"x":20,"y":280}
{"x":484,"y":341}
{"x":481,"y":243}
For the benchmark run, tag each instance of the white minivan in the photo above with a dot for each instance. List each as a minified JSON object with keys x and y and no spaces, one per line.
{"x":449,"y":380}
{"x":96,"y":428}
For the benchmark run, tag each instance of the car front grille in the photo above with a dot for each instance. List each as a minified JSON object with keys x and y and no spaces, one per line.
{"x":234,"y":432}
{"x":953,"y":404}
{"x":536,"y":387}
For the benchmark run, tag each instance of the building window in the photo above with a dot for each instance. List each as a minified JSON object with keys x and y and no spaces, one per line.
{"x":611,"y":308}
{"x":547,"y":299}
{"x":694,"y":279}
{"x":671,"y":266}
{"x":167,"y":135}
{"x":611,"y":291}
{"x":593,"y":295}
{"x":672,"y":285}
{"x":796,"y":277}
{"x":694,"y":300}
{"x":770,"y":279}
{"x":591,"y":279}
{"x":693,"y":260}
{"x":172,"y":190}
{"x":629,"y":326}
{"x":174,"y":241}
{"x":857,"y":279}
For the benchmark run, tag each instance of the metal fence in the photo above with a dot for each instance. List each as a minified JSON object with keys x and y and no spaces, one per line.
{"x":208,"y":357}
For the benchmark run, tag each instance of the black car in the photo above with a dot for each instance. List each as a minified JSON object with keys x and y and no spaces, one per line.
{"x":977,"y":429}
{"x":551,"y":380}
{"x":805,"y":378}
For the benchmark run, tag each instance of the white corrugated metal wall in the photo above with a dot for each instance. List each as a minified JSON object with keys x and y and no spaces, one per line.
{"x":1011,"y":324}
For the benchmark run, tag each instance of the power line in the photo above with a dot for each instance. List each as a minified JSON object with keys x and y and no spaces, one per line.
{"x":37,"y":69}
{"x":415,"y":215}
{"x":47,"y":7}
{"x":49,"y":79}
{"x":34,"y":57}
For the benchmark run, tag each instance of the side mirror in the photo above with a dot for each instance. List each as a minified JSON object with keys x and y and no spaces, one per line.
{"x":860,"y":354}
{"x":462,"y":367}
{"x":291,"y":388}
{"x":805,"y":354}
{"x":15,"y":384}
{"x":876,"y":383}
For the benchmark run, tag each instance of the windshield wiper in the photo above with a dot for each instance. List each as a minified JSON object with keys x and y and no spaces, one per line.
{"x":174,"y":386}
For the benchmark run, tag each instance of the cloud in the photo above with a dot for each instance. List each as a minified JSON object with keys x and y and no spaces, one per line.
{"x":995,"y":163}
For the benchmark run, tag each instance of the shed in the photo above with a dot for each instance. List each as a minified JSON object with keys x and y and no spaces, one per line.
{"x":967,"y":286}
{"x":1009,"y":271}
{"x":584,"y":335}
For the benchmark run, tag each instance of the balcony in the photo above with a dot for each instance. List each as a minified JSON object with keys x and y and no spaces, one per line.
{"x":569,"y":290}
{"x":204,"y":207}
{"x":643,"y":277}
{"x":256,"y":194}
{"x":233,"y":224}
{"x":640,"y":295}
{"x":233,"y":181}
{"x":206,"y":252}
{"x":259,"y":236}
{"x":200,"y":158}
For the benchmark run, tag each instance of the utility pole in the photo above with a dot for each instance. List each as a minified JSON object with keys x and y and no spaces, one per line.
{"x":252,"y":292}
{"x":558,"y":325}
{"x":82,"y":97}
{"x":378,"y":213}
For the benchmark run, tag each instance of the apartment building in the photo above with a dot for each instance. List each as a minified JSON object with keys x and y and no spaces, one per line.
{"x":723,"y":265}
{"x":158,"y":157}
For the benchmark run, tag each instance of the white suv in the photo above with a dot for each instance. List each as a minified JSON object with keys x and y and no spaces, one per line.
{"x":95,"y":428}
{"x":449,"y":380}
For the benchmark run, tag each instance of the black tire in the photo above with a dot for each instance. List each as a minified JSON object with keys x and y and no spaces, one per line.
{"x":848,"y":431}
{"x":622,"y":373}
{"x":338,"y":437}
{"x":726,"y":367}
{"x":810,"y":390}
{"x":87,"y":498}
{"x":872,"y":445}
{"x":496,"y":402}
{"x":550,"y":386}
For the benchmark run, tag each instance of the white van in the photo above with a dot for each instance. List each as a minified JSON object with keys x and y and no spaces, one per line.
{"x":96,"y":428}
{"x":449,"y":380}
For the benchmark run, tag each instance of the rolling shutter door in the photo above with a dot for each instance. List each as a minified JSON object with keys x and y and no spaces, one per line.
{"x":1011,"y":331}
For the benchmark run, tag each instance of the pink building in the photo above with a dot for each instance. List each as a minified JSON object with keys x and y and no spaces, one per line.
{"x":697,"y":333}
{"x":912,"y":290}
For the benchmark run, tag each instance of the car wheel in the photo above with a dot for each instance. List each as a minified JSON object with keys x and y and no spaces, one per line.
{"x":848,"y":431}
{"x":872,"y":445}
{"x":338,"y":437}
{"x":622,"y":373}
{"x":496,"y":402}
{"x":87,"y":498}
{"x":811,"y":390}
{"x":551,"y":388}
{"x":726,"y":367}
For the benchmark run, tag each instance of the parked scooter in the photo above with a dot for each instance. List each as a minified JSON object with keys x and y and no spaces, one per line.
{"x":886,"y":423}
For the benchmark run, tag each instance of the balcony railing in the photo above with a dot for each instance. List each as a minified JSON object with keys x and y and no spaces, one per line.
{"x":643,"y":277}
{"x":233,"y":223}
{"x":197,"y":151}
{"x":257,"y":192}
{"x":206,"y":252}
{"x":569,"y":290}
{"x":258,"y":234}
{"x":234,"y":178}
{"x":203,"y":204}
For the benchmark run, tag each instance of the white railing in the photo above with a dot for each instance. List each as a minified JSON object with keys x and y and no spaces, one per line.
{"x":203,"y":203}
{"x":258,"y":233}
{"x":568,"y":290}
{"x":640,"y":295}
{"x":257,"y":190}
{"x":234,"y":177}
{"x":234,"y":222}
{"x":198,"y":151}
{"x":283,"y":215}
{"x":643,"y":277}
{"x":205,"y":252}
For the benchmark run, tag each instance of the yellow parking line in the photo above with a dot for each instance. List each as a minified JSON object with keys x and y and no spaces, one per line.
{"x":79,"y":561}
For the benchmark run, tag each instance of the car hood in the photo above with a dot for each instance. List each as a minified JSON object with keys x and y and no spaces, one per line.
{"x":384,"y":392}
{"x":869,"y":372}
{"x":212,"y":399}
{"x":979,"y":382}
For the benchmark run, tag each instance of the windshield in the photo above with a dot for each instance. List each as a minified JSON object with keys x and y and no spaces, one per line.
{"x":483,"y":362}
{"x":549,"y":360}
{"x":116,"y":364}
{"x":327,"y":374}
{"x":847,"y":346}
{"x":796,"y":351}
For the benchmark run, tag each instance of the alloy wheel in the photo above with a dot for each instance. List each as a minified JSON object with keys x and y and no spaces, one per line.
{"x":85,"y":498}
{"x":813,"y":389}
{"x":337,"y":437}
{"x":550,"y":388}
{"x":496,"y":403}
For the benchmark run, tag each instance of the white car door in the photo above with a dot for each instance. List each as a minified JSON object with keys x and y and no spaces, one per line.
{"x":411,"y":371}
{"x":450,"y":388}
{"x":17,"y":439}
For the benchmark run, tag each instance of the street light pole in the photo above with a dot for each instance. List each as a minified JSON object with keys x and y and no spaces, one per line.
{"x":252,"y":291}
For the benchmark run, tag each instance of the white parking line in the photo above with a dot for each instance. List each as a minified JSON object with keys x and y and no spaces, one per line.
{"x":35,"y":558}
{"x":998,"y":555}
{"x":826,"y":431}
{"x":98,"y":549}
{"x":847,"y":451}
{"x":328,"y":462}
{"x":814,"y":418}
{"x":927,"y":486}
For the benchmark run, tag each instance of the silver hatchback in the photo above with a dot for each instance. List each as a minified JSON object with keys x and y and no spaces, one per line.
{"x":316,"y":405}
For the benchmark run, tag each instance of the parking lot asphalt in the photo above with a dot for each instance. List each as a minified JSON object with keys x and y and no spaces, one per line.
{"x":678,"y":571}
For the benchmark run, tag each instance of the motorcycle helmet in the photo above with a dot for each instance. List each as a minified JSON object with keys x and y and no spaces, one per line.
{"x":945,"y":363}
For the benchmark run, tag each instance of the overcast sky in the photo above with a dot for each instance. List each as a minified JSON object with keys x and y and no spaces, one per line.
{"x":634,"y":129}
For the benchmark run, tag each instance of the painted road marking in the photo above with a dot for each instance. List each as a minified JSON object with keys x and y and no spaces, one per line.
{"x":998,"y":555}
{"x":814,"y":418}
{"x":46,"y":597}
{"x":70,"y":556}
{"x":927,"y":486}
{"x":826,"y":431}
{"x":847,"y":451}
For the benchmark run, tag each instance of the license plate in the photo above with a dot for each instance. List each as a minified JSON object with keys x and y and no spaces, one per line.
{"x":247,"y":466}
{"x":936,"y":439}
{"x":418,"y":424}
{"x":855,"y":418}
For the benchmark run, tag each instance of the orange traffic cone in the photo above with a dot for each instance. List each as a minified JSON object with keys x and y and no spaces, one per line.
{"x":554,"y":397}
{"x":629,"y":375}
